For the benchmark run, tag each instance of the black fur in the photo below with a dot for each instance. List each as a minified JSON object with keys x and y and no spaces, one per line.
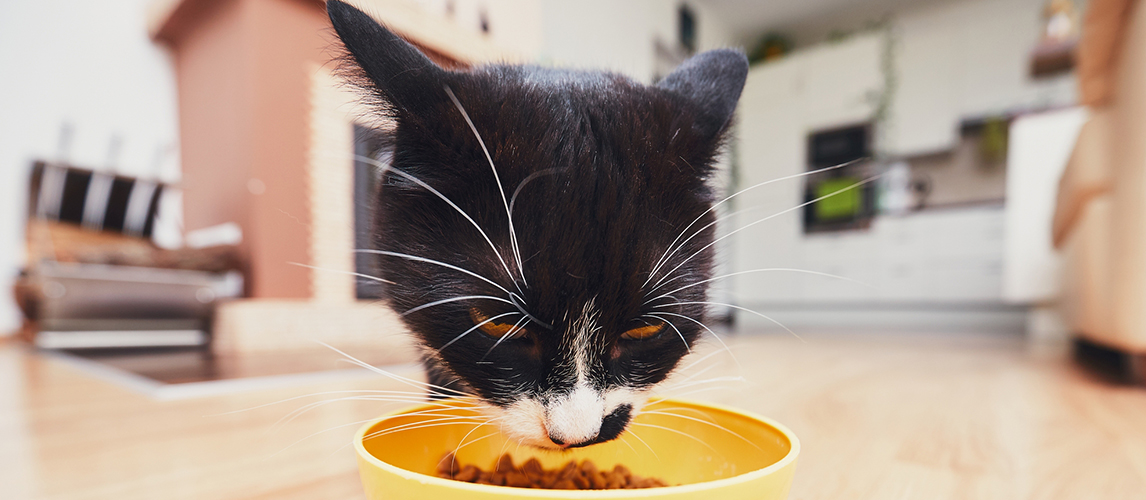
{"x":615,"y":170}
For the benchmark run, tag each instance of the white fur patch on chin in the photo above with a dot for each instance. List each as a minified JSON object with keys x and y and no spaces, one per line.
{"x":524,"y":422}
{"x":578,"y":418}
{"x":624,"y":396}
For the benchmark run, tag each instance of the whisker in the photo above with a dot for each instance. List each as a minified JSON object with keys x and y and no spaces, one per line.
{"x":360,"y":422}
{"x":733,"y":195}
{"x":496,"y":178}
{"x":726,"y":378}
{"x":508,"y":334}
{"x":322,"y":394}
{"x":702,"y":325}
{"x":745,"y":309}
{"x":405,"y":380}
{"x":682,"y":433}
{"x":675,"y":329}
{"x":340,"y":271}
{"x":772,"y":269}
{"x":746,"y":226}
{"x":298,"y":412}
{"x":475,"y":327}
{"x":526,"y":180}
{"x":621,"y":438}
{"x":697,"y":374}
{"x":697,"y":362}
{"x":698,"y":391}
{"x":424,"y":424}
{"x":364,"y":438}
{"x":459,"y":447}
{"x":435,"y":262}
{"x":633,"y":432}
{"x":707,"y":422}
{"x":679,"y":246}
{"x":456,"y":299}
{"x":463,"y":213}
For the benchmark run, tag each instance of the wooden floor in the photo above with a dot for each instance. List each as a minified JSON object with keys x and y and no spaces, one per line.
{"x":879,"y":416}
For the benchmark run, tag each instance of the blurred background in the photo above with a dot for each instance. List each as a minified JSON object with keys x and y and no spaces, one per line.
{"x":179,"y":199}
{"x":207,"y":146}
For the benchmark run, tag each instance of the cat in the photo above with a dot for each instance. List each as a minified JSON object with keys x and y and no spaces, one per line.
{"x":534,"y":221}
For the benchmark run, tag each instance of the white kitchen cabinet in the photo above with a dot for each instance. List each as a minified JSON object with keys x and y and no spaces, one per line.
{"x":924,"y":116}
{"x":934,"y":256}
{"x":770,"y":145}
{"x":843,"y":81}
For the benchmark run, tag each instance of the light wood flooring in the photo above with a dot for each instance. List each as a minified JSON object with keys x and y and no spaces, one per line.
{"x":879,"y":416}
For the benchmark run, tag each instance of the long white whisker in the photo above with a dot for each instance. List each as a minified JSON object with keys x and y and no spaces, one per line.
{"x":621,"y":438}
{"x":463,"y":213}
{"x":675,"y":329}
{"x":475,"y":327}
{"x":422,"y":424}
{"x":705,"y":381}
{"x":456,"y":299}
{"x":339,"y":271}
{"x":526,"y":180}
{"x":690,"y":377}
{"x":352,"y":424}
{"x":698,"y":391}
{"x":733,"y":195}
{"x":399,"y":378}
{"x":699,"y":361}
{"x":372,"y":436}
{"x":714,"y":335}
{"x":496,"y":178}
{"x":706,"y":422}
{"x":434,"y":262}
{"x":464,"y":440}
{"x":323,"y":393}
{"x":520,"y":306}
{"x":773,"y":269}
{"x":682,"y":433}
{"x":745,"y":309}
{"x":508,"y":334}
{"x":746,"y":226}
{"x":672,"y":251}
{"x":298,"y":412}
{"x":633,"y":432}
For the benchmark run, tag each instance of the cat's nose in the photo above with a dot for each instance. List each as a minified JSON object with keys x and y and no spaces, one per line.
{"x":575,"y":419}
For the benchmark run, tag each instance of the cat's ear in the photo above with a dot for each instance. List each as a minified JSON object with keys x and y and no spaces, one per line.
{"x":398,"y":70}
{"x":713,"y":81}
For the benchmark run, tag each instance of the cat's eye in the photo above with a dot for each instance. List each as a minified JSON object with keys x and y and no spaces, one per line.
{"x":643,"y":332}
{"x":493,"y":328}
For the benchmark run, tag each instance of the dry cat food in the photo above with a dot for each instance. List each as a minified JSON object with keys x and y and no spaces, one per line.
{"x":531,"y":474}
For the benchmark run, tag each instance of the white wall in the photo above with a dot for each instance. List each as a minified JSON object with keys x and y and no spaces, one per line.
{"x":1040,"y":147}
{"x":955,"y":60}
{"x":89,"y":64}
{"x":513,"y":24}
{"x":618,"y":36}
{"x":967,"y":58}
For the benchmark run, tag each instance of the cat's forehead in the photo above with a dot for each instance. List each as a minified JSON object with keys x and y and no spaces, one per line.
{"x":569,"y":96}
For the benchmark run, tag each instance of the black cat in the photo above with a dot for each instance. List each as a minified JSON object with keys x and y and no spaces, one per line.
{"x":533,"y":220}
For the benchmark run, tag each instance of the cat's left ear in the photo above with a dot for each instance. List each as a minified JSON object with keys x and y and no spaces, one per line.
{"x":712,"y":80}
{"x":407,"y":79}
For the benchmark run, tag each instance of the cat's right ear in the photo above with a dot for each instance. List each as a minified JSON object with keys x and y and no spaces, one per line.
{"x":401,"y":74}
{"x":713,"y":80}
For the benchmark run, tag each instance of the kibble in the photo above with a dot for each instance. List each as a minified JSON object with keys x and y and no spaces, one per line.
{"x":571,"y":476}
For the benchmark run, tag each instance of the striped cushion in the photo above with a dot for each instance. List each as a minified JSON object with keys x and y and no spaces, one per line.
{"x":95,"y":200}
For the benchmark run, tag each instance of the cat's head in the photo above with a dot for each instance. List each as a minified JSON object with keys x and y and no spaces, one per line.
{"x":564,"y":319}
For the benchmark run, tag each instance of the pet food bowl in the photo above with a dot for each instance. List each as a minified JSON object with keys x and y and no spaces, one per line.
{"x":705,"y":451}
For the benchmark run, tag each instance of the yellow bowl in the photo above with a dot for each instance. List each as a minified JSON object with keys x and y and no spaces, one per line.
{"x":707,"y":451}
